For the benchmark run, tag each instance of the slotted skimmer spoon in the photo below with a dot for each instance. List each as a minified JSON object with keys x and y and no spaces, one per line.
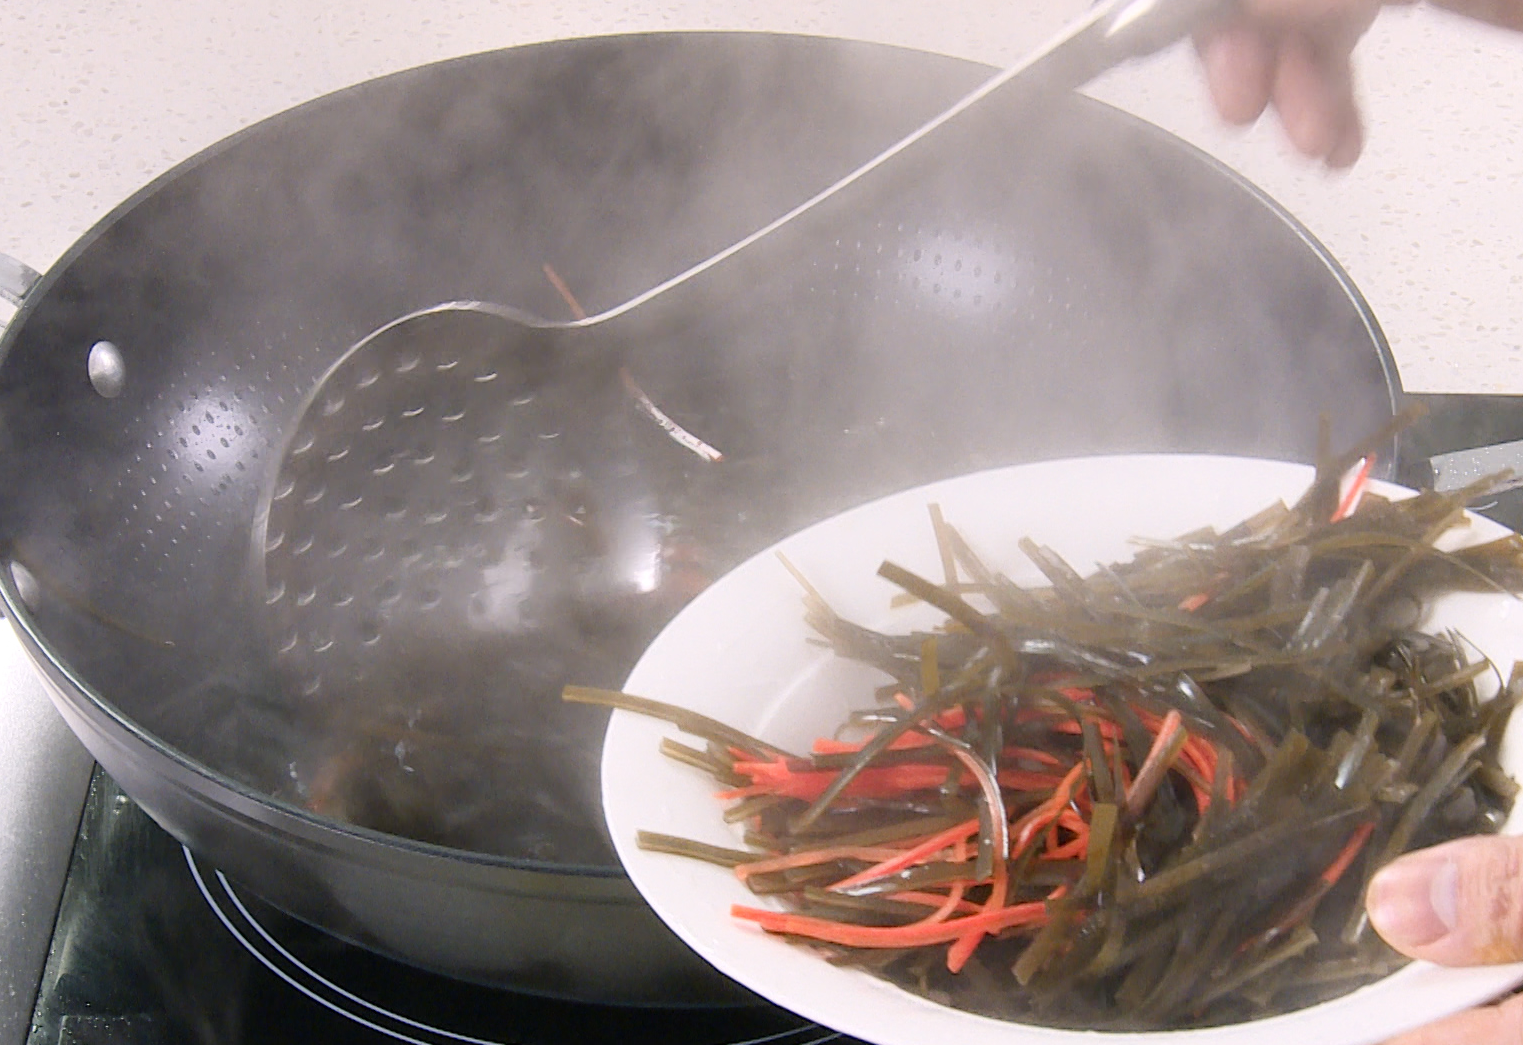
{"x":404,"y":521}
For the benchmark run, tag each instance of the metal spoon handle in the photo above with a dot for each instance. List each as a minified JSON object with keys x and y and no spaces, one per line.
{"x":1110,"y":34}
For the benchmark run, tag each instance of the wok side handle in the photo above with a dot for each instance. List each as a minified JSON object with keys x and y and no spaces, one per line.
{"x":17,"y":278}
{"x":1465,"y":437}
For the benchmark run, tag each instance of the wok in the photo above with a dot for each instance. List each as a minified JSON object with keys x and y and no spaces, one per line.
{"x":1035,"y":280}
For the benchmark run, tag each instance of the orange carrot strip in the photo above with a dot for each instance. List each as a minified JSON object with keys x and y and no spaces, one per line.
{"x":831,"y":746}
{"x":909,"y":857}
{"x":1198,"y":751}
{"x":952,"y":905}
{"x":1307,"y":905}
{"x":1076,"y":846}
{"x":917,"y":935}
{"x":564,"y":291}
{"x":1046,"y":758}
{"x":1044,"y":814}
{"x":1191,"y":603}
{"x":954,"y":717}
{"x":1108,"y":729}
{"x":1026,"y":780}
{"x":1070,"y":850}
{"x":961,"y":950}
{"x":777,"y":778}
{"x":1159,"y":758}
{"x":1198,"y":757}
{"x":1072,"y":821}
{"x":954,"y":896}
{"x":1356,"y":488}
{"x":1349,"y":852}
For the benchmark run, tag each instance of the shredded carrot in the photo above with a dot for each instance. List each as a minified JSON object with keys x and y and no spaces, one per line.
{"x":777,"y":777}
{"x":1033,"y":754}
{"x":904,"y":742}
{"x":1078,"y":842}
{"x":1349,"y":853}
{"x":1191,"y":603}
{"x":1197,"y":760}
{"x":1025,"y":780}
{"x":1073,"y":849}
{"x":1194,"y":602}
{"x":952,"y":904}
{"x":953,"y":718}
{"x":917,"y":935}
{"x":1108,"y":730}
{"x":960,"y":951}
{"x":954,"y":895}
{"x":564,"y":291}
{"x":910,"y":857}
{"x":1166,"y":747}
{"x":1027,"y":827}
{"x":1356,"y":483}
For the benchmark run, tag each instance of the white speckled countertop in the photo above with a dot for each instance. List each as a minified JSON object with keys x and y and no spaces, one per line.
{"x":102,"y":96}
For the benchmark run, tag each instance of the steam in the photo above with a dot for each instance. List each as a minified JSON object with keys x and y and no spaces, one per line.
{"x":1033,"y":282}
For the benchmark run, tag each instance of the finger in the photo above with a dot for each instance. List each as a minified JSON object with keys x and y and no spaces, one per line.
{"x":1313,"y":91}
{"x":1460,"y":903}
{"x":1239,"y":62}
{"x":1349,"y":145}
{"x":1506,"y":13}
{"x":1491,"y":1025}
{"x":1315,"y":13}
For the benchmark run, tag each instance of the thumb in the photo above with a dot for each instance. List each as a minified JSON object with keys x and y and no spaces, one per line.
{"x":1505,"y":13}
{"x":1460,"y":903}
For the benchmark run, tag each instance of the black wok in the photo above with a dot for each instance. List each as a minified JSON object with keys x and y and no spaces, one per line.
{"x":1034,"y":281}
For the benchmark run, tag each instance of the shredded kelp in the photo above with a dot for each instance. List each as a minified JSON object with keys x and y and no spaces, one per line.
{"x":1149,"y":797}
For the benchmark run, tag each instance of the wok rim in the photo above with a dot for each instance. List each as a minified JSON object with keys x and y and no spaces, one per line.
{"x":296,"y":822}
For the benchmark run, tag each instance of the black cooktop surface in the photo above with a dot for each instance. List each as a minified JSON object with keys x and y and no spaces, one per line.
{"x":153,"y":947}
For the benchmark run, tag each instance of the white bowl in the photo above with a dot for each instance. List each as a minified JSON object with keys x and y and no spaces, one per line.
{"x":740,"y":653}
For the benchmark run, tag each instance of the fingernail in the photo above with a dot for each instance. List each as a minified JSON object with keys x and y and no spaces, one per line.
{"x":1414,"y":902}
{"x":1346,"y":152}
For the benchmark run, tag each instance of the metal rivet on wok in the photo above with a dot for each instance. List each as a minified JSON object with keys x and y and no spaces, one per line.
{"x":107,"y":369}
